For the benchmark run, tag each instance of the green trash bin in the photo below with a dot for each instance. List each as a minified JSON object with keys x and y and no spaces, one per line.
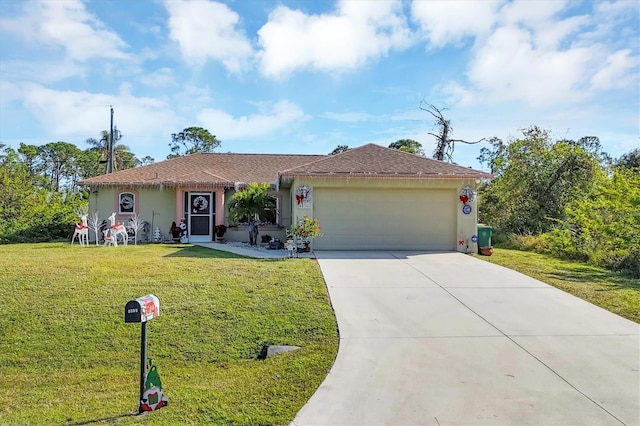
{"x":484,"y":236}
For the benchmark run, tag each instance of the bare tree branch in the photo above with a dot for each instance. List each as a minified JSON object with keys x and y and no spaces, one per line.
{"x":444,"y":144}
{"x":467,"y":142}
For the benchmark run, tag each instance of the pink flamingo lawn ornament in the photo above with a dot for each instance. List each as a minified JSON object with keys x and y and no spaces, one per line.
{"x":81,"y":232}
{"x":117,"y":229}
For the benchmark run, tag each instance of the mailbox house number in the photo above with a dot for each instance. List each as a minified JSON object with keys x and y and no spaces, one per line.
{"x":142,"y":309}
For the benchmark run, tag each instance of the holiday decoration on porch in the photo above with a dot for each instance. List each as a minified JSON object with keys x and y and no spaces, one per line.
{"x":184,"y":235}
{"x":157,"y":235}
{"x":200,"y":204}
{"x":303,"y":197}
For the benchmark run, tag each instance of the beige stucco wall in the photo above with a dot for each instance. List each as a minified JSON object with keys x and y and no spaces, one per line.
{"x":464,"y":225}
{"x":152,"y":205}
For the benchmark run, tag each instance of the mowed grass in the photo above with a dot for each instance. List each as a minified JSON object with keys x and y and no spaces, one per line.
{"x":615,"y":292}
{"x":67,"y":357}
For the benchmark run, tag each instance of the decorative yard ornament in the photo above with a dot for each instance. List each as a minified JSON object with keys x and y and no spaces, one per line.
{"x":184,"y":234}
{"x":109,"y":240}
{"x":81,"y":231}
{"x":117,"y":229}
{"x":152,"y":397}
{"x":142,"y":310}
{"x":467,"y":195}
{"x":157,"y":235}
{"x":303,"y":197}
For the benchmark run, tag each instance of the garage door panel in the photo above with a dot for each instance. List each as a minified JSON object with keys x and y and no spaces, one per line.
{"x":385,"y":219}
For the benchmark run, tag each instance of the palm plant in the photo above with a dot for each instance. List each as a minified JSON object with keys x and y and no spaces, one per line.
{"x":251,"y":203}
{"x":123,"y":157}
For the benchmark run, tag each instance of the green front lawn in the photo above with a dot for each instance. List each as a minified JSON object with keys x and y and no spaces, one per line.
{"x":613,"y":291}
{"x":67,"y":357}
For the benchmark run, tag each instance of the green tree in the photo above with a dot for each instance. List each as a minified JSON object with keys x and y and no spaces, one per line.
{"x":146,"y":160}
{"x":630,"y":160}
{"x":252,"y":203}
{"x":339,"y":149}
{"x":602,"y":226}
{"x":30,"y":213}
{"x":495,"y":157}
{"x":408,"y":145}
{"x":192,"y":140}
{"x":88,"y":163}
{"x":30,"y":158}
{"x":59,"y":159}
{"x":535,"y":179}
{"x":123,"y":158}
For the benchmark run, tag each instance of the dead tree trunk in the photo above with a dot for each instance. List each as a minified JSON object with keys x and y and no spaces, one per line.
{"x":444,"y":144}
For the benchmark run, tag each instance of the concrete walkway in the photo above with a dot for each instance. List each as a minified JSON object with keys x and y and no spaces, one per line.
{"x":444,"y":339}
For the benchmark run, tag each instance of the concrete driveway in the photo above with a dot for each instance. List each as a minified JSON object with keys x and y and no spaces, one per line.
{"x":443,"y":338}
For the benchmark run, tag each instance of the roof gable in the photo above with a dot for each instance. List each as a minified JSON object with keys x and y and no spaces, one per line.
{"x":375,"y":160}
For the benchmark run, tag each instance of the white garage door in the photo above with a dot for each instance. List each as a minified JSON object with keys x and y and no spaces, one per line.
{"x":375,"y":219}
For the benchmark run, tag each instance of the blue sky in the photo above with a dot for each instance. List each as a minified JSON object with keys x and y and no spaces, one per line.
{"x":306,"y":76}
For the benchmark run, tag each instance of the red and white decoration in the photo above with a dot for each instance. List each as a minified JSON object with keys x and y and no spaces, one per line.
{"x":303,"y":197}
{"x":81,"y":231}
{"x":467,"y":195}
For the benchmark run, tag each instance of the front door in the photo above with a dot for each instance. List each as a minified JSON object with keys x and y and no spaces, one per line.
{"x":201,"y":213}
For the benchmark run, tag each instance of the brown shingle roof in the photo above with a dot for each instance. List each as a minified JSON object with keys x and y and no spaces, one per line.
{"x":205,"y":169}
{"x":228,"y":169}
{"x":374,"y":160}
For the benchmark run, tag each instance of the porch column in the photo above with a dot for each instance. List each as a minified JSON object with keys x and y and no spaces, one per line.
{"x":179,"y":204}
{"x":220,"y":206}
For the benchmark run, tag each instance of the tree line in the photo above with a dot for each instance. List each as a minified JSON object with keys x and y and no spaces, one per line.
{"x":39,"y":184}
{"x":565,"y":198}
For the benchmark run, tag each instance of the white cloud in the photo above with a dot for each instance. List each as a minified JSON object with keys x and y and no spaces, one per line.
{"x":533,"y":53}
{"x":207,"y":30}
{"x":159,"y":78}
{"x":451,"y":21}
{"x":531,"y":14}
{"x":41,"y":71}
{"x":621,"y":70}
{"x":358,"y":31}
{"x":276,"y":117}
{"x":10,"y":92}
{"x":84,"y":114}
{"x":68,"y":25}
{"x":508,"y":66}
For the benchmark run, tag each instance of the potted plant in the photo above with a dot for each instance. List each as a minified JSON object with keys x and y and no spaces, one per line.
{"x":306,"y":229}
{"x":220,"y":230}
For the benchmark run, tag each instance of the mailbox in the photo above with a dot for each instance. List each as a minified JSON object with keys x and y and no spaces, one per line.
{"x":142,"y":309}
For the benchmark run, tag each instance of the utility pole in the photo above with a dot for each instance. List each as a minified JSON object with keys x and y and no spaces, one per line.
{"x":111,"y":143}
